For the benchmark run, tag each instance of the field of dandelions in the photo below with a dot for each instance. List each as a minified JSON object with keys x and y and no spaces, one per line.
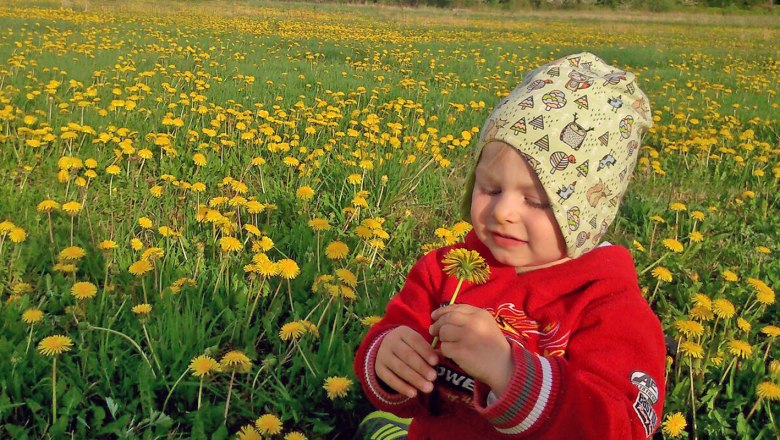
{"x":204,"y":206}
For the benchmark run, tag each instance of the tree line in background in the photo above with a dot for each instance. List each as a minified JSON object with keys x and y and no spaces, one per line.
{"x":655,"y":5}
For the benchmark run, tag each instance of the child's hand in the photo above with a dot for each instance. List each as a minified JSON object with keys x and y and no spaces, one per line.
{"x":405,"y":362}
{"x":470,"y":337}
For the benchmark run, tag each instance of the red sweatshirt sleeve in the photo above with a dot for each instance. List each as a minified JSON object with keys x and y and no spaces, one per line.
{"x":411,"y":307}
{"x":610,"y":384}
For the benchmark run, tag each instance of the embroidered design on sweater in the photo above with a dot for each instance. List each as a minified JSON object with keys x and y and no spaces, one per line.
{"x":645,"y":399}
{"x":547,"y":340}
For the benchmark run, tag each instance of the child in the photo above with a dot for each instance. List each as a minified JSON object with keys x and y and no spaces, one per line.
{"x":559,"y":342}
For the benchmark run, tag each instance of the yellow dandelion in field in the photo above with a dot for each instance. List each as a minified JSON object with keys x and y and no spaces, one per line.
{"x":113,"y":170}
{"x":461,"y":228}
{"x":336,"y":387}
{"x":55,"y":345}
{"x":701,"y":313}
{"x":83,"y":290}
{"x":364,"y":232}
{"x":235,"y":361}
{"x":71,"y":253}
{"x":72,"y":208}
{"x":764,"y":294}
{"x":772,"y":331}
{"x":48,"y":205}
{"x":743,"y":325}
{"x":32,"y":315}
{"x":203,"y":365}
{"x":145,"y":222}
{"x":252,"y":230}
{"x":662,"y":274}
{"x":21,"y":288}
{"x":292,"y":330}
{"x":17,"y":235}
{"x":230,"y":244}
{"x":723,"y":308}
{"x":136,"y":244}
{"x":368,"y":321}
{"x":310,"y":327}
{"x":6,"y":227}
{"x":703,"y":300}
{"x":697,"y":215}
{"x":466,"y":265}
{"x":768,"y":391}
{"x":774,"y":367}
{"x":730,"y":276}
{"x":288,"y":268}
{"x":199,"y":159}
{"x":142,"y":309}
{"x":692,"y":349}
{"x":696,"y":237}
{"x":677,"y":206}
{"x":152,"y":254}
{"x":304,"y":193}
{"x":673,"y":245}
{"x":674,"y":425}
{"x":268,"y":424}
{"x":140,"y":267}
{"x":355,"y":179}
{"x":638,"y":246}
{"x":347,"y":277}
{"x":295,"y":435}
{"x":319,"y":224}
{"x":341,"y":291}
{"x":337,"y":250}
{"x":248,"y":432}
{"x":740,"y":348}
{"x":689,"y":328}
{"x":763,"y":250}
{"x":264,"y":266}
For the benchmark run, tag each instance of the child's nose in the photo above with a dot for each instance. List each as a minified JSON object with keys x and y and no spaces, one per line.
{"x":506,"y":210}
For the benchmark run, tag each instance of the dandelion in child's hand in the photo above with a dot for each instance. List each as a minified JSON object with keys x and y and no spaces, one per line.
{"x":268,"y":424}
{"x":466,"y":265}
{"x":674,"y":425}
{"x":337,"y":386}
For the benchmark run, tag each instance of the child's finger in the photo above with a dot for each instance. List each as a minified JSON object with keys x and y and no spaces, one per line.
{"x":455,"y":318}
{"x":410,"y":376}
{"x":393,"y":381}
{"x":422,"y":348}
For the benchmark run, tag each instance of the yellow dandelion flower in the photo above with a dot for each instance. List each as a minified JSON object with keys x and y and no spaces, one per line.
{"x":32,"y":315}
{"x":304,"y":193}
{"x":203,"y":365}
{"x":17,"y":235}
{"x":697,"y":215}
{"x":140,"y":267}
{"x":6,"y":227}
{"x":230,"y":244}
{"x":703,"y":300}
{"x":674,"y":425}
{"x":692,"y":349}
{"x":662,"y":273}
{"x":740,"y":348}
{"x":466,"y":265}
{"x":763,"y":250}
{"x":83,"y":290}
{"x":774,"y":367}
{"x":113,"y":170}
{"x":71,"y":253}
{"x":696,"y":237}
{"x":347,"y":277}
{"x":701,"y":313}
{"x":235,"y":361}
{"x":21,"y":288}
{"x":364,"y":232}
{"x":136,"y":244}
{"x":145,"y":222}
{"x":355,"y":179}
{"x":677,"y":206}
{"x":730,"y":276}
{"x":48,"y":205}
{"x":319,"y":224}
{"x":743,"y":325}
{"x":248,"y":432}
{"x":295,"y":435}
{"x":673,"y":245}
{"x":252,"y":230}
{"x":768,"y":390}
{"x":142,"y":309}
{"x":368,"y":321}
{"x":55,"y":345}
{"x":772,"y":331}
{"x":268,"y":424}
{"x":337,"y":250}
{"x":336,"y":387}
{"x":689,"y":328}
{"x":723,"y":308}
{"x":199,"y":159}
{"x":152,"y":254}
{"x":292,"y":330}
{"x":288,"y":268}
{"x":72,"y":208}
{"x":764,"y":294}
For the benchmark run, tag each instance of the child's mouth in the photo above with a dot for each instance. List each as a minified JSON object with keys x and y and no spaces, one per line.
{"x":505,"y":240}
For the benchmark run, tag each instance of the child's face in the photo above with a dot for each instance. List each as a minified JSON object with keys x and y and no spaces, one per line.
{"x":510,"y":211}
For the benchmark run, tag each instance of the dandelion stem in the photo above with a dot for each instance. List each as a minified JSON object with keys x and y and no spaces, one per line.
{"x":230,"y":389}
{"x":129,"y":339}
{"x":170,"y":392}
{"x":151,"y":349}
{"x":726,"y":372}
{"x":452,"y":301}
{"x":54,"y":391}
{"x":753,"y":410}
{"x":693,"y":402}
{"x":305,"y":360}
{"x":29,"y":339}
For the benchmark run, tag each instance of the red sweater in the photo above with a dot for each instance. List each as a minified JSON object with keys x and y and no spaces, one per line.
{"x":588,"y":351}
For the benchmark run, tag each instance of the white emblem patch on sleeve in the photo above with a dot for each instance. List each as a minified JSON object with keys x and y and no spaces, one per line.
{"x":645,"y":399}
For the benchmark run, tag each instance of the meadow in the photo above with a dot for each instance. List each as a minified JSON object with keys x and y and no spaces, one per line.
{"x":204,"y":205}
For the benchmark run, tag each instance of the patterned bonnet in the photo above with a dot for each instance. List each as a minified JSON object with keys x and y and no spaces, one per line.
{"x":578,"y":122}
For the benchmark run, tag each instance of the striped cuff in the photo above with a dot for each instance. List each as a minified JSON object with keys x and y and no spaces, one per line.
{"x":372,"y":382}
{"x":529,"y":398}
